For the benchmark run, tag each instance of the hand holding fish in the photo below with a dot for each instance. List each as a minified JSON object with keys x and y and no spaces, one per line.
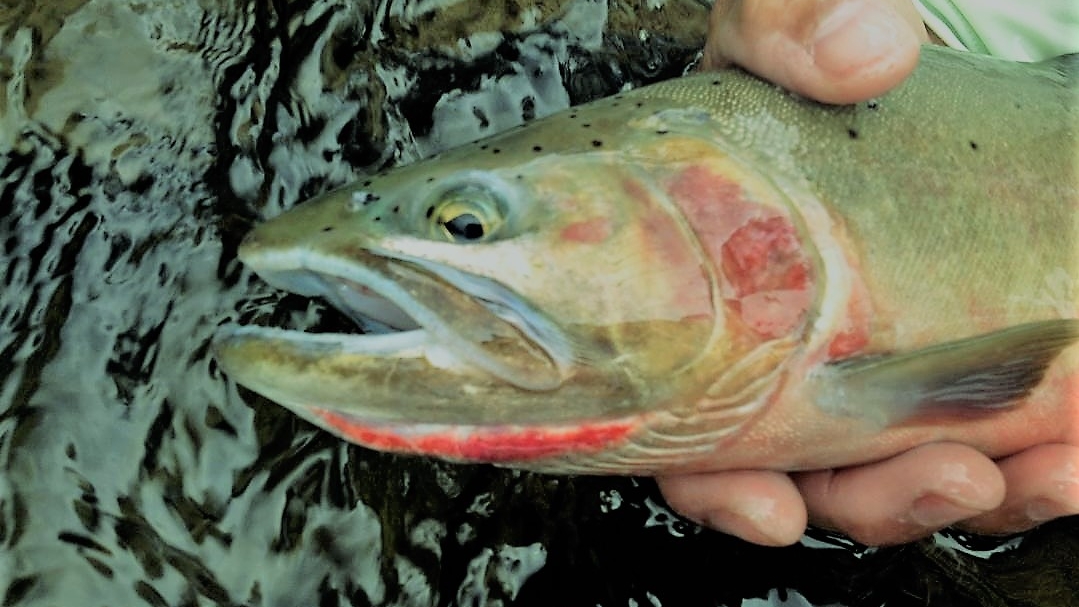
{"x":843,"y":52}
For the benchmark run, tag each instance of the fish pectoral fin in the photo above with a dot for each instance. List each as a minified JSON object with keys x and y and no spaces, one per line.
{"x":989,"y":371}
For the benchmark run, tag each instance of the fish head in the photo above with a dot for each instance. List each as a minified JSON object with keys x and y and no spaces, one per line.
{"x":518,"y":306}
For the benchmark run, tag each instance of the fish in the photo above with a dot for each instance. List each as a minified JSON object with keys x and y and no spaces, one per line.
{"x":705,"y":273}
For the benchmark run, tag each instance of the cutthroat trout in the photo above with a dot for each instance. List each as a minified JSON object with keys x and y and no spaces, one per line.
{"x":706,"y":273}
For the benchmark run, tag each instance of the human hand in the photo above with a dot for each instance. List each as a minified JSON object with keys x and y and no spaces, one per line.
{"x":836,"y":51}
{"x":869,"y":46}
{"x":896,"y":500}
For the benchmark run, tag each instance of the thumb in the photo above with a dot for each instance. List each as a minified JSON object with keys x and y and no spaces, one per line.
{"x":836,"y":51}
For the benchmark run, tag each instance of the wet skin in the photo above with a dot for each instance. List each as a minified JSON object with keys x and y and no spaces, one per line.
{"x":840,"y":52}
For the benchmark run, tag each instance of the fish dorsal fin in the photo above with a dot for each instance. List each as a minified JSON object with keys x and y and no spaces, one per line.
{"x":986,"y":371}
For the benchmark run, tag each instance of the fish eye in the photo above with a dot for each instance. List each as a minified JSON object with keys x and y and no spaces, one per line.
{"x":465,"y":214}
{"x":463,"y":226}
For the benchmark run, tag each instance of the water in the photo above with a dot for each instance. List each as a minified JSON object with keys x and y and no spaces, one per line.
{"x":139,"y":142}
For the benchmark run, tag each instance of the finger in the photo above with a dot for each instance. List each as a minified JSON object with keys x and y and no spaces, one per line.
{"x":762,"y":507}
{"x":836,"y":51}
{"x":905,"y":497}
{"x":1042,"y":483}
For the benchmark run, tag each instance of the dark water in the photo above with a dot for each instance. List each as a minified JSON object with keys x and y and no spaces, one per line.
{"x":138,"y":143}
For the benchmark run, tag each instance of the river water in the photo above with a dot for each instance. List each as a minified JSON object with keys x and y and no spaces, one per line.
{"x":139,"y":141}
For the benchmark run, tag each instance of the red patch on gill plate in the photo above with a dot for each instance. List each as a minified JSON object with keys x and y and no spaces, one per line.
{"x":756,"y":247}
{"x":769,"y":273}
{"x":765,"y":255}
{"x":495,"y":444}
{"x":713,"y":204}
{"x":771,"y":276}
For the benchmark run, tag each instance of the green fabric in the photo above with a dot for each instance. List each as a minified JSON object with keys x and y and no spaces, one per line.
{"x":1031,"y":30}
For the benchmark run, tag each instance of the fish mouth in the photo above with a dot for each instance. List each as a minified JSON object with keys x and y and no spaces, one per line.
{"x":414,"y":308}
{"x":444,"y":363}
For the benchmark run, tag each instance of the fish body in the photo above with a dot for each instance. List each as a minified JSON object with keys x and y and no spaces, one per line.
{"x":706,"y":273}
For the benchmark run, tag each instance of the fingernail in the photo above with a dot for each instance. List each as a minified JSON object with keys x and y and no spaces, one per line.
{"x":934,"y":511}
{"x":858,"y":33}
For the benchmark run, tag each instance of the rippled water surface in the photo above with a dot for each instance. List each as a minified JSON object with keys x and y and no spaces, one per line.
{"x":138,"y":142}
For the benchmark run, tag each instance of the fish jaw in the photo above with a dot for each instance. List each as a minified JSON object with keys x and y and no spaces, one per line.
{"x":464,"y":328}
{"x":347,"y":394}
{"x":353,"y":407}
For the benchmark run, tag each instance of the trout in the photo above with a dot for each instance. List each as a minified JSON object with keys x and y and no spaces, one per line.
{"x":706,"y":273}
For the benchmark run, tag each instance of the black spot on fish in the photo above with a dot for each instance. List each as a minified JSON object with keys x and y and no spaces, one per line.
{"x":496,"y":151}
{"x":537,"y":148}
{"x":596,"y":143}
{"x":366,"y":183}
{"x":662,"y":132}
{"x":640,"y":104}
{"x":872,"y":104}
{"x":715,"y":83}
{"x":396,"y":209}
{"x":586,"y":124}
{"x":327,"y":229}
{"x":378,"y":218}
{"x":484,"y":146}
{"x":430,"y":211}
{"x":853,"y":134}
{"x":974,"y":145}
{"x":430,"y":179}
